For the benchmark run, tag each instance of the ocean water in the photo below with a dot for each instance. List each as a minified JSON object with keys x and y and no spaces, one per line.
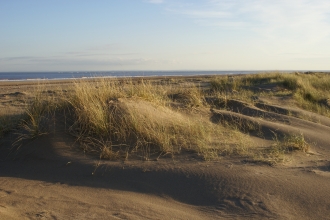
{"x":22,"y":76}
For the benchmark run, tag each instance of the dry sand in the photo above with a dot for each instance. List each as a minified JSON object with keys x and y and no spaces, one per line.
{"x":48,"y":178}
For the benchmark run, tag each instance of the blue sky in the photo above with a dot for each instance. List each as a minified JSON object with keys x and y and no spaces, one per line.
{"x":86,"y":35}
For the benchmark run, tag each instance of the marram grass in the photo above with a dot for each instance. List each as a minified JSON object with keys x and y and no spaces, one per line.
{"x":124,"y":118}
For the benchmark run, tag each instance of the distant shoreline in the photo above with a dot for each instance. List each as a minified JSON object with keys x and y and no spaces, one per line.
{"x":9,"y":82}
{"x":69,"y":81}
{"x":63,"y":76}
{"x":42,"y":76}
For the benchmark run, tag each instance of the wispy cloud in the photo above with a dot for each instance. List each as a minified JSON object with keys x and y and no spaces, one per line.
{"x":301,"y":20}
{"x":89,"y":54}
{"x":106,"y":56}
{"x":298,"y":19}
{"x":74,"y":61}
{"x":155,"y":1}
{"x":196,"y":13}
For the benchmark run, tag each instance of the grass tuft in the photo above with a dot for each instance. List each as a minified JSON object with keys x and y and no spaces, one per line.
{"x":136,"y":118}
{"x":278,"y":152}
{"x":126,"y":118}
{"x":8,"y":123}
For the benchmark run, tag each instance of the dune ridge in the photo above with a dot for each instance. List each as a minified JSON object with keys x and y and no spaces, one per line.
{"x":52,"y":177}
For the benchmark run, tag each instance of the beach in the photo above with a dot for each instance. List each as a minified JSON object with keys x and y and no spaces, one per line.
{"x":272,"y":163}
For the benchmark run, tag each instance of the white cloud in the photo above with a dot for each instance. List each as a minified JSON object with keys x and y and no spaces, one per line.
{"x":290,"y":21}
{"x":195,"y":13}
{"x":155,"y":1}
{"x":299,"y":19}
{"x":273,"y":27}
{"x":60,"y":63}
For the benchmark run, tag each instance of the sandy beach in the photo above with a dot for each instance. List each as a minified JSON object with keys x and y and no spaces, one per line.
{"x":50,"y":177}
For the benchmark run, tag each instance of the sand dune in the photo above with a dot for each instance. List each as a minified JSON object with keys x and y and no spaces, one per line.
{"x":50,"y":178}
{"x":57,"y":183}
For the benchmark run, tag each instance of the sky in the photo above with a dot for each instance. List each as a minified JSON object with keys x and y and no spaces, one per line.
{"x":105,"y":35}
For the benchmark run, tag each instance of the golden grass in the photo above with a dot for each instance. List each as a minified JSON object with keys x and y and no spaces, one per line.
{"x":189,"y":94}
{"x":126,"y":118}
{"x":278,"y":152}
{"x":39,"y":113}
{"x":137,"y":118}
{"x":310,"y":91}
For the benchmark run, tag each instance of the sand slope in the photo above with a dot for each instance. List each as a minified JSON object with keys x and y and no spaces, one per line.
{"x":49,"y":178}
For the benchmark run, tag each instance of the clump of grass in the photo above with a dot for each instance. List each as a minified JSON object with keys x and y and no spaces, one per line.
{"x":93,"y":103}
{"x":261,"y":78}
{"x":135,"y":118}
{"x":226,"y":88}
{"x":291,"y":82}
{"x":229,"y":143}
{"x":281,"y":148}
{"x":310,"y":91}
{"x":117,"y":119}
{"x":8,"y":123}
{"x":226,"y":83}
{"x":146,"y":90}
{"x":295,"y":142}
{"x":188,"y":94}
{"x":35,"y":120}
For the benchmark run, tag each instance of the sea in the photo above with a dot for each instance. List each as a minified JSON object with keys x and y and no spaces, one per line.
{"x":23,"y":76}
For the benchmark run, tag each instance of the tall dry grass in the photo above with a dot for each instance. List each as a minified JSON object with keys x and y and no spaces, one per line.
{"x":188,"y":94}
{"x":39,"y":112}
{"x":310,"y":91}
{"x":120,"y":117}
{"x":8,"y":122}
{"x":124,"y":118}
{"x":280,"y":150}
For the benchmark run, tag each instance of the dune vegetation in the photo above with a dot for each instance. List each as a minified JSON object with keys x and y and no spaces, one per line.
{"x":310,"y":91}
{"x":151,"y":118}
